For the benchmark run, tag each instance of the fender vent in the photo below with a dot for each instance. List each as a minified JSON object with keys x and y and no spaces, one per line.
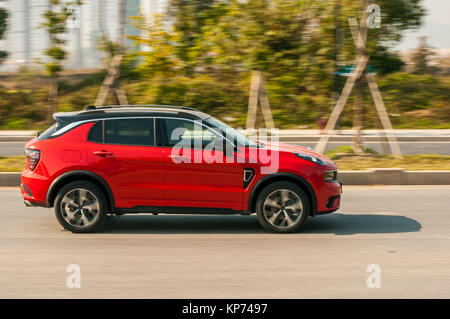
{"x":249,"y":173}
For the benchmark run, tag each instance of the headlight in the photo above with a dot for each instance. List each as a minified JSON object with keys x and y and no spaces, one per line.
{"x":311,"y":158}
{"x":330,"y":176}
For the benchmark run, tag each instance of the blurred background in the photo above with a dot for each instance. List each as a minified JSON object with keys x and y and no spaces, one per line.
{"x":56,"y":55}
{"x":201,"y":53}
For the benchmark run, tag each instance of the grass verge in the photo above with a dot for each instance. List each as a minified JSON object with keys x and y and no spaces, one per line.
{"x":12,"y":163}
{"x":347,"y":160}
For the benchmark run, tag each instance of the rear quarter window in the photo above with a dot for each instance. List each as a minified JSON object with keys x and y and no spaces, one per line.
{"x":48,"y":132}
{"x":96,"y":133}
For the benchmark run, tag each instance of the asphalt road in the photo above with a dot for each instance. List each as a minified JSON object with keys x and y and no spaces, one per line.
{"x":407,"y":147}
{"x":405,"y":230}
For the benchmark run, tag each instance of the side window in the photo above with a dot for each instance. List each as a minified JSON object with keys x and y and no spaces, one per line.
{"x":96,"y":133}
{"x":186,"y":132}
{"x":130,"y":132}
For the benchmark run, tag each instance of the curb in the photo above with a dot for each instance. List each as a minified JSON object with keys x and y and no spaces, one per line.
{"x":374,"y":176}
{"x":394,"y":176}
{"x":10,"y":178}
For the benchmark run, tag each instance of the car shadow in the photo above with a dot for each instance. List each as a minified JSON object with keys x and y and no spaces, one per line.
{"x":336,"y":223}
{"x":351,"y":224}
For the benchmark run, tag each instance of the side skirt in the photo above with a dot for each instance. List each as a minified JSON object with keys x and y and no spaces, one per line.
{"x":178,"y":210}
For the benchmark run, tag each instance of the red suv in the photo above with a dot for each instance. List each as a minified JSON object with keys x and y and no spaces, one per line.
{"x":168,"y":159}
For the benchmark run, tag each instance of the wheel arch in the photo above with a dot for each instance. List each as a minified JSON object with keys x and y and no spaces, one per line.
{"x":277,"y":177}
{"x":77,"y":175}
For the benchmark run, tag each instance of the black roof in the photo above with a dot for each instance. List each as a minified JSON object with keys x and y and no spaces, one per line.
{"x":101,"y":112}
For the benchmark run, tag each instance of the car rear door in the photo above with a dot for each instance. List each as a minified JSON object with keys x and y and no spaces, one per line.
{"x":124,"y":153}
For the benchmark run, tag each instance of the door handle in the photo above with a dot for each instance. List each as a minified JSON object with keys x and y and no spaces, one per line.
{"x":103,"y":153}
{"x":179,"y":157}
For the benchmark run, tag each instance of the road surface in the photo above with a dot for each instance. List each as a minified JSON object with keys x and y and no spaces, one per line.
{"x":404,"y":230}
{"x":407,"y":147}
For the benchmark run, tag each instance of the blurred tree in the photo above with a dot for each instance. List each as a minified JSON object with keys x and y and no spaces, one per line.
{"x":158,"y":51}
{"x":3,"y":26}
{"x":292,"y":41}
{"x":385,"y":61}
{"x":105,"y":44}
{"x":56,"y":25}
{"x":189,"y":17}
{"x":421,"y":58}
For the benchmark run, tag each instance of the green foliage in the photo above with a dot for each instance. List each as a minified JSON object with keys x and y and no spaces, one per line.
{"x":56,"y":53}
{"x":405,"y":92}
{"x":3,"y":27}
{"x":161,"y":59}
{"x":56,"y":25}
{"x":201,"y":54}
{"x":293,"y":42}
{"x":3,"y":21}
{"x":386,"y":62}
{"x":108,"y":46}
{"x":12,"y":163}
{"x":53,"y":68}
{"x":347,"y":160}
{"x":21,"y":109}
{"x":420,"y":101}
{"x":345,"y":150}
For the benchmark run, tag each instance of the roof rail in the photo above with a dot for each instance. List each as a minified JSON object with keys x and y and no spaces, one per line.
{"x":93,"y":107}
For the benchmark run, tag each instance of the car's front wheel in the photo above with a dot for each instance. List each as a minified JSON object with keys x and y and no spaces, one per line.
{"x":282,"y":207}
{"x":81,"y":207}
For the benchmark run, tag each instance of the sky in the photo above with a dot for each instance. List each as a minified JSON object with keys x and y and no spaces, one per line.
{"x":436,"y":27}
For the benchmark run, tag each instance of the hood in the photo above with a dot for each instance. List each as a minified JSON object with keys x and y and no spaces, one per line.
{"x":282,"y":147}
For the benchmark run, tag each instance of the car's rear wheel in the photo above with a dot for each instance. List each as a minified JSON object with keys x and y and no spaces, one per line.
{"x":81,"y":207}
{"x":282,"y":207}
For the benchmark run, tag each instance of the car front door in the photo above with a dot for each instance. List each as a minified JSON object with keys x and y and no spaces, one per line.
{"x":123,"y":152}
{"x":198,"y":176}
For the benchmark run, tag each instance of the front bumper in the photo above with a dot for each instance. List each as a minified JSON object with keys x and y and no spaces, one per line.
{"x":330,"y":198}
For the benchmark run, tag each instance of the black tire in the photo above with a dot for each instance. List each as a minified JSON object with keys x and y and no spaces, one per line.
{"x":97,"y":215}
{"x":284,"y":213}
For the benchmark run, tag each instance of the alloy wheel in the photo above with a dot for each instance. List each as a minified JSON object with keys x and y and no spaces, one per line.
{"x":282,"y":208}
{"x":80,"y":207}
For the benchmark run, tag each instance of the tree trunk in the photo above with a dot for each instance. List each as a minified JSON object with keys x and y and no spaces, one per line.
{"x":52,"y":97}
{"x":122,"y":24}
{"x":358,"y":147}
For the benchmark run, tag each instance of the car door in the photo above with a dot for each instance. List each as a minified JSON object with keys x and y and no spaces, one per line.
{"x":123,"y":152}
{"x":199,"y":181}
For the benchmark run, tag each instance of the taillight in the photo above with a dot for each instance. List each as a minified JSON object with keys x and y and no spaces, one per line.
{"x":33,"y":157}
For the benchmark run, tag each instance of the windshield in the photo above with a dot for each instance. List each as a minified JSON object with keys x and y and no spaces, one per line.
{"x":231,"y":133}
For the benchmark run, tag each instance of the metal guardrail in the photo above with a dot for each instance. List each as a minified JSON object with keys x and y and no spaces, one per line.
{"x":297,"y":135}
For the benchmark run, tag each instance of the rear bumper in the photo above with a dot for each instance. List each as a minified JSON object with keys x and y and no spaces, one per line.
{"x":33,"y":204}
{"x":31,"y":195}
